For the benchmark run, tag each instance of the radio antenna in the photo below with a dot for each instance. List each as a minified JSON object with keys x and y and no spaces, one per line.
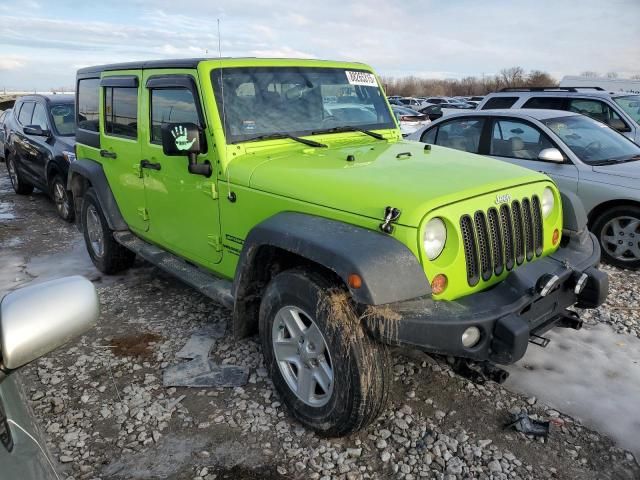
{"x":230,"y":195}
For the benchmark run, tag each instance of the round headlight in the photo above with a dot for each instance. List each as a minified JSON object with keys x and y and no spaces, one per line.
{"x":548,"y":202}
{"x":435,"y":236}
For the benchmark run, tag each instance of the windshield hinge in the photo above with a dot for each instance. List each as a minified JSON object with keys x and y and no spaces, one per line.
{"x":144,"y":213}
{"x":215,"y":241}
{"x":391,"y":214}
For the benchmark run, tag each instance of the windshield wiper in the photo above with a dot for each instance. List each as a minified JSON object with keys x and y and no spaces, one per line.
{"x":614,"y":161}
{"x":275,"y":136}
{"x":349,"y":129}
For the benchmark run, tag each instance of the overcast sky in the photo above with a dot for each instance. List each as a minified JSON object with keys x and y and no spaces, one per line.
{"x":42,"y":43}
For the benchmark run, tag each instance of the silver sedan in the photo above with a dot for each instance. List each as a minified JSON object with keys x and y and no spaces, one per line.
{"x":581,"y":155}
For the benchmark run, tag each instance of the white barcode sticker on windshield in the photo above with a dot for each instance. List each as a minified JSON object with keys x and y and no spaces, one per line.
{"x":361,"y":78}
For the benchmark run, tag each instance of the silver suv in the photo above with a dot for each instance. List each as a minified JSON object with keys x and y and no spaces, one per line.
{"x":621,"y":111}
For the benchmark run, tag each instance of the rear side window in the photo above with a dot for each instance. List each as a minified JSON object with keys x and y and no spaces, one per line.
{"x":88,"y":111}
{"x":24,"y":117}
{"x":500,"y":102}
{"x":461,"y":134}
{"x":121,"y":111}
{"x":171,"y":106}
{"x":549,"y":103}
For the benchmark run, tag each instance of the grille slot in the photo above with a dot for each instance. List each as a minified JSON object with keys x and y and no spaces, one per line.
{"x":470,"y":254}
{"x":501,"y":238}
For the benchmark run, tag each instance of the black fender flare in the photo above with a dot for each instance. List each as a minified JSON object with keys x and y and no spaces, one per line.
{"x":93,"y":172}
{"x":390,"y":272}
{"x":573,"y":212}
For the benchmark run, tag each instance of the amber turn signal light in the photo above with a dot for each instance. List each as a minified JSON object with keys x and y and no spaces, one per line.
{"x":354,"y":280}
{"x":439,"y":284}
{"x":556,"y":237}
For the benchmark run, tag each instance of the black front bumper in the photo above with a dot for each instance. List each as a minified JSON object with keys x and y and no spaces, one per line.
{"x":507,"y":315}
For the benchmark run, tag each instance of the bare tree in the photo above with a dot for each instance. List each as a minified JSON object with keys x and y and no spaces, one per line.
{"x":612,"y":75}
{"x":590,"y":74}
{"x":512,"y":77}
{"x":537,"y":78}
{"x":635,"y":77}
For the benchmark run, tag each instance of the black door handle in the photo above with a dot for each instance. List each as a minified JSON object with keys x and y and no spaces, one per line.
{"x":147,"y":164}
{"x":108,"y":154}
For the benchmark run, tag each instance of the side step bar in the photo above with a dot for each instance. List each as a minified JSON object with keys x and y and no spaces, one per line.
{"x":206,"y":283}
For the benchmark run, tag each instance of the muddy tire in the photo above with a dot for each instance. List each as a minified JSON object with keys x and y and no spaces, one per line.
{"x":618,"y":231}
{"x":330,"y":374}
{"x":62,"y":198}
{"x":17,"y":182}
{"x":107,"y":255}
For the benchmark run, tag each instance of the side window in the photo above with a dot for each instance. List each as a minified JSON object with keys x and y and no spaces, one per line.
{"x":429,"y":136}
{"x":121,"y":111}
{"x":512,"y":138}
{"x":24,"y":117}
{"x":550,"y":103}
{"x":461,"y":134}
{"x":500,"y":102}
{"x":593,"y":108}
{"x":88,"y":111}
{"x":171,"y":106}
{"x":40,"y":117}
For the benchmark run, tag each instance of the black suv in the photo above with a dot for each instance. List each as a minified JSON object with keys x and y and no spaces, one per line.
{"x":39,"y":145}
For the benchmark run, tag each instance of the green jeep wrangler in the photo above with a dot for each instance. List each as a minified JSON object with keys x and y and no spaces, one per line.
{"x":283,"y":189}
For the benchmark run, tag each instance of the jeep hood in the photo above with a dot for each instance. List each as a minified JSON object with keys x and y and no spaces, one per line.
{"x":402,"y":175}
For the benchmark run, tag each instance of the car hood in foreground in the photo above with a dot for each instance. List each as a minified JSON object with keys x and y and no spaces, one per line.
{"x":399,"y":174}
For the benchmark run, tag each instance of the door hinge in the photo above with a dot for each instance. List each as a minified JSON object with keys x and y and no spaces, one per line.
{"x":144,"y":213}
{"x":215,"y":241}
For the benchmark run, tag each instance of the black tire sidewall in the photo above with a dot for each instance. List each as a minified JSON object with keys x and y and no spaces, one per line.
{"x":298,"y":289}
{"x":68,"y":198}
{"x":22,"y":187}
{"x":601,"y":221}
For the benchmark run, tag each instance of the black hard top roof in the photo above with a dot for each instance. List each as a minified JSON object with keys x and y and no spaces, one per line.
{"x":174,"y":63}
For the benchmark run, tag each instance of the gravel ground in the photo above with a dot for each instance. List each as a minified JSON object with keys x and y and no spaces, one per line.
{"x":105,"y":413}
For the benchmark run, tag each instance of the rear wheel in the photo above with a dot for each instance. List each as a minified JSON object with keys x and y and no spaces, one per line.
{"x":333,"y":378}
{"x":19,"y":185}
{"x":107,"y":255}
{"x":618,"y":230}
{"x":62,"y":198}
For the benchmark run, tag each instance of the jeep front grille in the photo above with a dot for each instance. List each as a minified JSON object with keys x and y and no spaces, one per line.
{"x":499,"y":239}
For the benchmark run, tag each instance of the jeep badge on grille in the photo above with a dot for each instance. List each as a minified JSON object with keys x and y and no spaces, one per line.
{"x":504,"y":198}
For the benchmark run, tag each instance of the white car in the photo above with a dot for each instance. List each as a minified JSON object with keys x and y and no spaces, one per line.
{"x":409,"y":119}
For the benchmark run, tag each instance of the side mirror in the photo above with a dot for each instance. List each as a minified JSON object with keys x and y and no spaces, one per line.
{"x":184,"y":139}
{"x":38,"y":319}
{"x":551,"y":155}
{"x":35,"y":130}
{"x":618,"y":125}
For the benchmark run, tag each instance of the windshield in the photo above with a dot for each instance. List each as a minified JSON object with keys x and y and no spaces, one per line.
{"x":264,"y":101}
{"x":631,"y":105}
{"x":63,"y":116}
{"x":592,"y":142}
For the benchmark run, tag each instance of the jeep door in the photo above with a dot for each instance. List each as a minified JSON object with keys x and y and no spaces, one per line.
{"x":183,"y":207}
{"x":520,"y":142}
{"x":120,"y":135}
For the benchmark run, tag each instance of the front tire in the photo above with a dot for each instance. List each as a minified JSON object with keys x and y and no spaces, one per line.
{"x":62,"y":198}
{"x":618,"y":231}
{"x":107,"y":255}
{"x":332,"y":377}
{"x":19,"y":185}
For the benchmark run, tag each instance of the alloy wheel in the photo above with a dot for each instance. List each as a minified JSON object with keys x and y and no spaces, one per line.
{"x":620,"y":237}
{"x":94,"y":231}
{"x":60,"y":199}
{"x":13,"y":173}
{"x":302,"y":356}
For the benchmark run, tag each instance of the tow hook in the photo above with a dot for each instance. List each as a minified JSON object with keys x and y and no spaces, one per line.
{"x":479,"y":372}
{"x":570,"y":319}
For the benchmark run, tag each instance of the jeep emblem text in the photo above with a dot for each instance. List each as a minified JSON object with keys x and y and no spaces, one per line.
{"x":504,"y":198}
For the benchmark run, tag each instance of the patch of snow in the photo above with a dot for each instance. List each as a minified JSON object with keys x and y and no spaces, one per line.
{"x":592,"y":374}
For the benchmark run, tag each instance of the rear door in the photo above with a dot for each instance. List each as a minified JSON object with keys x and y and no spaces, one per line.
{"x":520,"y":142}
{"x":183,"y":207}
{"x":37,"y":147}
{"x":120,"y":151}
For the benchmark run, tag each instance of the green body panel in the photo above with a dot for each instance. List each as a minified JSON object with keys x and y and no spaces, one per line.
{"x":191,"y":215}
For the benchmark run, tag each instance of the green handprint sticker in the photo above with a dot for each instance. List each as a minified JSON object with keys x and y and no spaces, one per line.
{"x":180,"y":135}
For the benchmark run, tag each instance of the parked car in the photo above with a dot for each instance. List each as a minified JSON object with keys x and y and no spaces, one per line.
{"x":620,"y":111}
{"x":34,"y":321}
{"x":583,"y":156}
{"x":411,"y":102}
{"x":40,"y":139}
{"x":409,"y":119}
{"x":3,"y":131}
{"x":329,"y":237}
{"x":433,"y":112}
